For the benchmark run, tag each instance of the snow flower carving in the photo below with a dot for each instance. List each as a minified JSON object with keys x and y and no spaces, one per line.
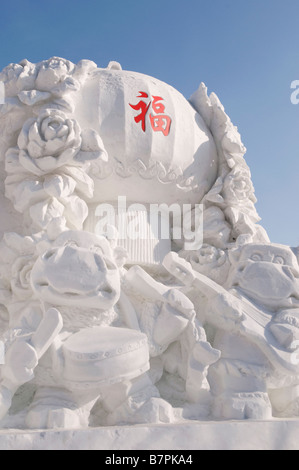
{"x":20,"y":281}
{"x":233,"y":192}
{"x":232,"y":145}
{"x":38,"y":85}
{"x":238,"y":187}
{"x":206,"y":255}
{"x":48,"y":142}
{"x":47,"y":174}
{"x":53,"y":72}
{"x":18,"y":77}
{"x":210,"y":261}
{"x":53,"y":75}
{"x":17,"y":256}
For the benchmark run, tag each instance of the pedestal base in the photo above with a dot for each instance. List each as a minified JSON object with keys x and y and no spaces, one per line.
{"x":207,"y":435}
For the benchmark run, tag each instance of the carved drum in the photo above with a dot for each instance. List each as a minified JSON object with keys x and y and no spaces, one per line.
{"x":104,"y":355}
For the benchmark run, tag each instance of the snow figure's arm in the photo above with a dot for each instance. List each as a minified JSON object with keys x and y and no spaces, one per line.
{"x":199,"y":355}
{"x":230,"y":313}
{"x":285,"y":328}
{"x":176,"y":309}
{"x":22,"y":357}
{"x":224,"y":309}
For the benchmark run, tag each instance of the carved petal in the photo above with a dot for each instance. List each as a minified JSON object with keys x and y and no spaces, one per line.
{"x":43,"y":212}
{"x":29,"y":164}
{"x":76,"y":211}
{"x":23,"y":137}
{"x":60,"y":186}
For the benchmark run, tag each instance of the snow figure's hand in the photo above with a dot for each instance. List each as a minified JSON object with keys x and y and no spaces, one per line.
{"x":20,"y":362}
{"x":179,"y":302}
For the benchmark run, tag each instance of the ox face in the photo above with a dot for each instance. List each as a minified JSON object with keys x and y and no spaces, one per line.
{"x":268,"y":274}
{"x":80,"y":270}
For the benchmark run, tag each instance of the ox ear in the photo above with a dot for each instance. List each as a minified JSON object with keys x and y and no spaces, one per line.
{"x":120,"y":256}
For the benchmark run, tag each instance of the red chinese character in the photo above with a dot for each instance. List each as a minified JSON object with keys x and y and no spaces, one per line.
{"x":160,"y":122}
{"x":143,"y":107}
{"x":158,"y":108}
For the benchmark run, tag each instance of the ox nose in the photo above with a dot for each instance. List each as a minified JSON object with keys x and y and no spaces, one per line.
{"x":291,"y":272}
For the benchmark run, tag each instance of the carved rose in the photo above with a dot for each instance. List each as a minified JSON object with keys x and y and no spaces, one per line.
{"x":20,"y":282}
{"x":48,"y":142}
{"x":17,"y":257}
{"x":210,"y":261}
{"x":206,"y":255}
{"x":238,"y":187}
{"x":232,"y":145}
{"x":52,"y":72}
{"x":18,"y":77}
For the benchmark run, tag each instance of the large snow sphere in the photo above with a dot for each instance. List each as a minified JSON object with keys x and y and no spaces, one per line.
{"x":166,"y":154}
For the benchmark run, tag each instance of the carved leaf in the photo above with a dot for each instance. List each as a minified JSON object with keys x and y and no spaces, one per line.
{"x":59,"y":186}
{"x":32,"y":97}
{"x":92,"y":147}
{"x":201,"y":102}
{"x":84,"y":184}
{"x":43,"y":212}
{"x":76,"y":211}
{"x":61,"y":104}
{"x":25,"y":194}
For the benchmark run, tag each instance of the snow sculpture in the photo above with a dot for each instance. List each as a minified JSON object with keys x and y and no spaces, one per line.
{"x":101,"y":328}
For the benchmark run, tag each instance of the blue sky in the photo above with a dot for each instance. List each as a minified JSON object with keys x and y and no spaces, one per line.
{"x":247,"y":52}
